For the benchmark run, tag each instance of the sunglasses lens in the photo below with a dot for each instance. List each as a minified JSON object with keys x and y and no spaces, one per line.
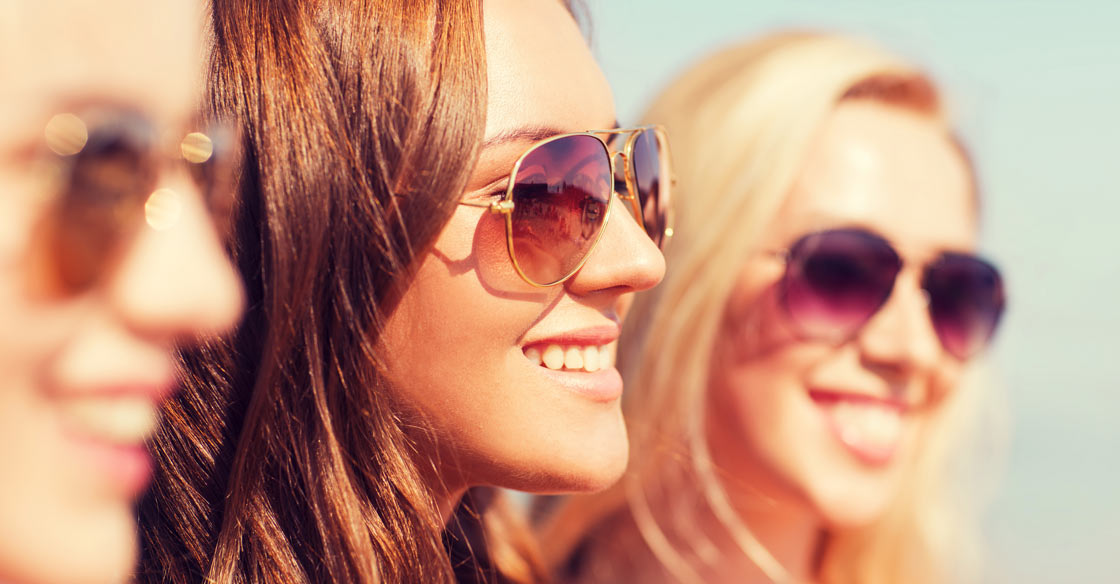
{"x":211,"y":160}
{"x":102,"y":203}
{"x":835,"y":280}
{"x":966,"y":299}
{"x":561,"y":196}
{"x":649,"y":167}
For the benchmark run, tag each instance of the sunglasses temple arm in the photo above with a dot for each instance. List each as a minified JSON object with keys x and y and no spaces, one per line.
{"x":495,"y":207}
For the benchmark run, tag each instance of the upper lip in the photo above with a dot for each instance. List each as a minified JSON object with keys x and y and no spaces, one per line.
{"x":593,"y":335}
{"x":827,"y":395}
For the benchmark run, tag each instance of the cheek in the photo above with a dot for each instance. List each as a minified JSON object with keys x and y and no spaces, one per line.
{"x":755,"y":323}
{"x":19,"y":211}
{"x":487,"y":256}
{"x":759,"y":405}
{"x":459,"y":317}
{"x":944,"y":378}
{"x":445,"y":329}
{"x":767,"y":395}
{"x":490,"y":253}
{"x":452,"y":344}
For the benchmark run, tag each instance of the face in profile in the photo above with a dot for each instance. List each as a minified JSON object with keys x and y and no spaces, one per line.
{"x":518,"y":380}
{"x":819,"y":408}
{"x":108,"y":258}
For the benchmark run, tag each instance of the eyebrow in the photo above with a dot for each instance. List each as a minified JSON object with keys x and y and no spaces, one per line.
{"x":527,"y":134}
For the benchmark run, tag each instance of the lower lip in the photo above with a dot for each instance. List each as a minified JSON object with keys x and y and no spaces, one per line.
{"x":868,"y":454}
{"x":124,"y":468}
{"x":603,"y":386}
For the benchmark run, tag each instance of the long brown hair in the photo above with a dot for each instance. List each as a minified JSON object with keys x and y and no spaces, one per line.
{"x":284,"y":458}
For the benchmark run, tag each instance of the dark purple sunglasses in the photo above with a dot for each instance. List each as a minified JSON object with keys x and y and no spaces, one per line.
{"x":836,"y":280}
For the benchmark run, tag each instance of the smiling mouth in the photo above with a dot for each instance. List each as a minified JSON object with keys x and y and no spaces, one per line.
{"x":867,"y":427}
{"x":870,"y":428}
{"x":574,"y":358}
{"x":126,"y":420}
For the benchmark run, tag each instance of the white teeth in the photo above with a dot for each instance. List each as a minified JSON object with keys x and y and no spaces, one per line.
{"x":868,"y":426}
{"x":126,"y":420}
{"x":553,"y":357}
{"x":591,"y":359}
{"x":571,"y":358}
{"x":606,"y":356}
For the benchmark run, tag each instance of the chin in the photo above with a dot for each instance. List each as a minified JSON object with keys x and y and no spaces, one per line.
{"x":856,"y":516}
{"x":104,"y":553}
{"x":602,"y":464}
{"x":853,"y":509}
{"x":586,"y":470}
{"x":108,"y":559}
{"x":591,"y":461}
{"x":602,"y":476}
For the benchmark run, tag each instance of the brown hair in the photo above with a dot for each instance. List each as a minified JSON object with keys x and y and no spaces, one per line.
{"x":284,"y":458}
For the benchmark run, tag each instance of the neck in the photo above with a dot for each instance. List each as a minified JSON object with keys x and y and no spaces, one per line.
{"x":787,"y":533}
{"x":445,"y":493}
{"x":773,"y":533}
{"x":445,"y":485}
{"x":446,"y":502}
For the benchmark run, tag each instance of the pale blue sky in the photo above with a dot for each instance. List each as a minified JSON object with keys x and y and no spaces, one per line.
{"x":1035,"y":87}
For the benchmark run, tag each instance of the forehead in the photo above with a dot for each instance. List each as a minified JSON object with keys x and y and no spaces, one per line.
{"x":540,"y":71}
{"x":142,"y":53}
{"x":894,"y":171}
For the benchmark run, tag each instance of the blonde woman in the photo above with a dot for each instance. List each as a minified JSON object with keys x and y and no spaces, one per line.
{"x":795,"y":398}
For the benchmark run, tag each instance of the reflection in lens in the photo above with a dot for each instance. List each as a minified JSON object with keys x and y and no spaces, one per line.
{"x":163,"y":209}
{"x":648,"y":170}
{"x":66,"y":134}
{"x":196,"y":147}
{"x":966,"y":300}
{"x":835,"y":280}
{"x":561,"y":196}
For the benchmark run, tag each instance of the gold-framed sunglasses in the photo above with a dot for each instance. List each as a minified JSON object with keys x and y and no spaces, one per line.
{"x":106,"y":163}
{"x":559,"y":197}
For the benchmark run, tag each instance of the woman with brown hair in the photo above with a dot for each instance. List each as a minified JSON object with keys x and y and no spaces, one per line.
{"x":437,"y":267}
{"x":798,"y":388}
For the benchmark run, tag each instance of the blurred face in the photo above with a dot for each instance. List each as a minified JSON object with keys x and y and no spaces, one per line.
{"x":833,"y":425}
{"x":92,"y":297}
{"x":505,"y":370}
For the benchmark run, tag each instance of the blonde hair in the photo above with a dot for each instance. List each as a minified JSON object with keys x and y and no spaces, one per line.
{"x":740,"y":124}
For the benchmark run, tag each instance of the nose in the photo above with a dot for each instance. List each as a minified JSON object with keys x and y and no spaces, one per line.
{"x":175,"y":281}
{"x":899,"y":340}
{"x":625,"y":259}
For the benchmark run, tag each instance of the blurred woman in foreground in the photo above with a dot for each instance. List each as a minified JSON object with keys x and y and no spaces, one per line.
{"x":108,"y":258}
{"x":796,"y":386}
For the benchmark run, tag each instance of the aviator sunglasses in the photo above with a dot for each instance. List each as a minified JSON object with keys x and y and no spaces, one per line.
{"x":559,"y":197}
{"x":106,"y":164}
{"x":836,"y":280}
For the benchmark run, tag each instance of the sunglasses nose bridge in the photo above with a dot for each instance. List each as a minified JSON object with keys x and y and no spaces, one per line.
{"x":619,"y":163}
{"x":900,"y":336}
